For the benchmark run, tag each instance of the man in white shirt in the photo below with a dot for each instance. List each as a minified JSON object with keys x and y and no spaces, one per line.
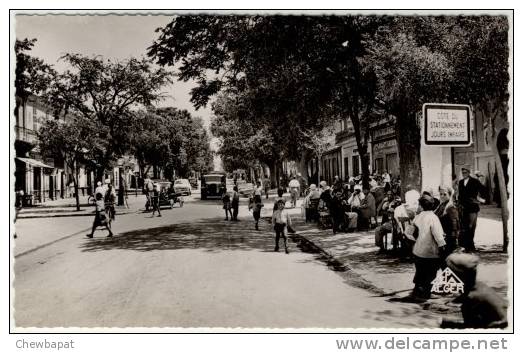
{"x":294,"y":188}
{"x":430,"y":244}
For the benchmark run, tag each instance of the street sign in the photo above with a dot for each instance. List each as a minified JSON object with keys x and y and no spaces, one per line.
{"x":447,"y":124}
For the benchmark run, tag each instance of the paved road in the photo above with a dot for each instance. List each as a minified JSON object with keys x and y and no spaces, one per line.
{"x":188,"y":268}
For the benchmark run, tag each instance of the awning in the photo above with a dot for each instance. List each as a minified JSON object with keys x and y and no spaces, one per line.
{"x":34,"y":163}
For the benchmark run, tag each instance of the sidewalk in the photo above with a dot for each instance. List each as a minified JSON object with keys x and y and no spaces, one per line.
{"x":387,"y":275}
{"x":67,"y":208}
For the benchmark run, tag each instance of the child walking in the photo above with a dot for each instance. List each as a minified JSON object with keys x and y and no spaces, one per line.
{"x":281,"y":219}
{"x":226,"y":199}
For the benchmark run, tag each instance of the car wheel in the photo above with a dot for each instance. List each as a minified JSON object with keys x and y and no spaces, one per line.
{"x":181,"y":203}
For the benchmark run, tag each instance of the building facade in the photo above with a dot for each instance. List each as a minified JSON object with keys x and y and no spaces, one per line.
{"x":40,"y":179}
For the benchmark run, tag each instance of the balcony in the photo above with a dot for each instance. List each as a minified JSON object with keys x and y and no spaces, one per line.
{"x":26,"y":135}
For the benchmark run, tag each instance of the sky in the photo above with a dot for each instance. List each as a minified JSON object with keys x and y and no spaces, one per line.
{"x":112,"y":36}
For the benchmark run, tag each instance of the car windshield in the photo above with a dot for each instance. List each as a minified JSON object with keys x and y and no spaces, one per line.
{"x":181,"y":182}
{"x":213,"y":178}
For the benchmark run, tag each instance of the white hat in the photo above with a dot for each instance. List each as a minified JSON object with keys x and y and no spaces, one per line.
{"x":99,"y":183}
{"x":108,"y":181}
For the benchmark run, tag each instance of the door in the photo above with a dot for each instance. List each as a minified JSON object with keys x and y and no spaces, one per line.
{"x":355,"y":165}
{"x":51,"y":187}
{"x":393,"y":164}
{"x":346,"y":168}
{"x":378,"y":165}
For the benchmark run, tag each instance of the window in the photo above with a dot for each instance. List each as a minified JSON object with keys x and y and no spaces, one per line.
{"x":346,"y":167}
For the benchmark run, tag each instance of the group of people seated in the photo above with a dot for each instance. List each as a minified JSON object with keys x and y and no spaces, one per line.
{"x":344,"y":207}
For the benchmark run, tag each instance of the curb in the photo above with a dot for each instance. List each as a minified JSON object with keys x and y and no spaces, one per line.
{"x":56,"y":215}
{"x":355,"y":279}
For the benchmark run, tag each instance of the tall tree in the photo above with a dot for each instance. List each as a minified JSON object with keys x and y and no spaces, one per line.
{"x":299,"y":70}
{"x":479,"y":51}
{"x":32,"y":75}
{"x":409,"y":74}
{"x":66,"y":140}
{"x":105,"y":91}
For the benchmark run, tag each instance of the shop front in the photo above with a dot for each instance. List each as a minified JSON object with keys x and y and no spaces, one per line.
{"x":385,"y":151}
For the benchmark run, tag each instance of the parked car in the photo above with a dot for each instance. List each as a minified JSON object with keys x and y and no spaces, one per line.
{"x":213,"y":185}
{"x":168,"y":196}
{"x":182,"y":186}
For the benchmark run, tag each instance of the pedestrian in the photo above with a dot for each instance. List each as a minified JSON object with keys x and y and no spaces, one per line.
{"x":281,"y":220}
{"x":429,"y":246}
{"x":281,"y":185}
{"x":99,"y":189}
{"x":448,"y":215}
{"x":226,"y":199}
{"x":256,"y":204}
{"x":294,"y":188}
{"x":100,"y":218}
{"x":368,"y":209}
{"x":19,"y":199}
{"x":235,"y":203}
{"x":267,"y":187}
{"x":149,"y":191}
{"x":481,"y":306}
{"x":469,"y":189}
{"x":109,"y":201}
{"x":155,"y":199}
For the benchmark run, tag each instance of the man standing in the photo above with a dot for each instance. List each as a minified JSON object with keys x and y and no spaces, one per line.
{"x":294,"y":187}
{"x":468,"y":191}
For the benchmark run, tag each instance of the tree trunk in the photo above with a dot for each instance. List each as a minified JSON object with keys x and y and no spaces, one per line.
{"x":365,"y":161}
{"x":408,"y":142}
{"x":502,"y":191}
{"x":75,"y":183}
{"x":318,"y":160}
{"x":121,"y":189}
{"x":273,"y":174}
{"x":100,"y":173}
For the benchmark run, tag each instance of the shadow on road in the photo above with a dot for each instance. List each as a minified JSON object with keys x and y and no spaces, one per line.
{"x":211,"y":235}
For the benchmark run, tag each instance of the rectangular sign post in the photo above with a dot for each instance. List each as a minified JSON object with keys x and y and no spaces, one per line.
{"x":447,"y":124}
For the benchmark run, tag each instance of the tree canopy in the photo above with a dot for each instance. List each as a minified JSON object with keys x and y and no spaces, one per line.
{"x":105,"y":92}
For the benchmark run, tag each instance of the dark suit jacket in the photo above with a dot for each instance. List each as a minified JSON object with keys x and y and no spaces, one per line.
{"x":468,"y":195}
